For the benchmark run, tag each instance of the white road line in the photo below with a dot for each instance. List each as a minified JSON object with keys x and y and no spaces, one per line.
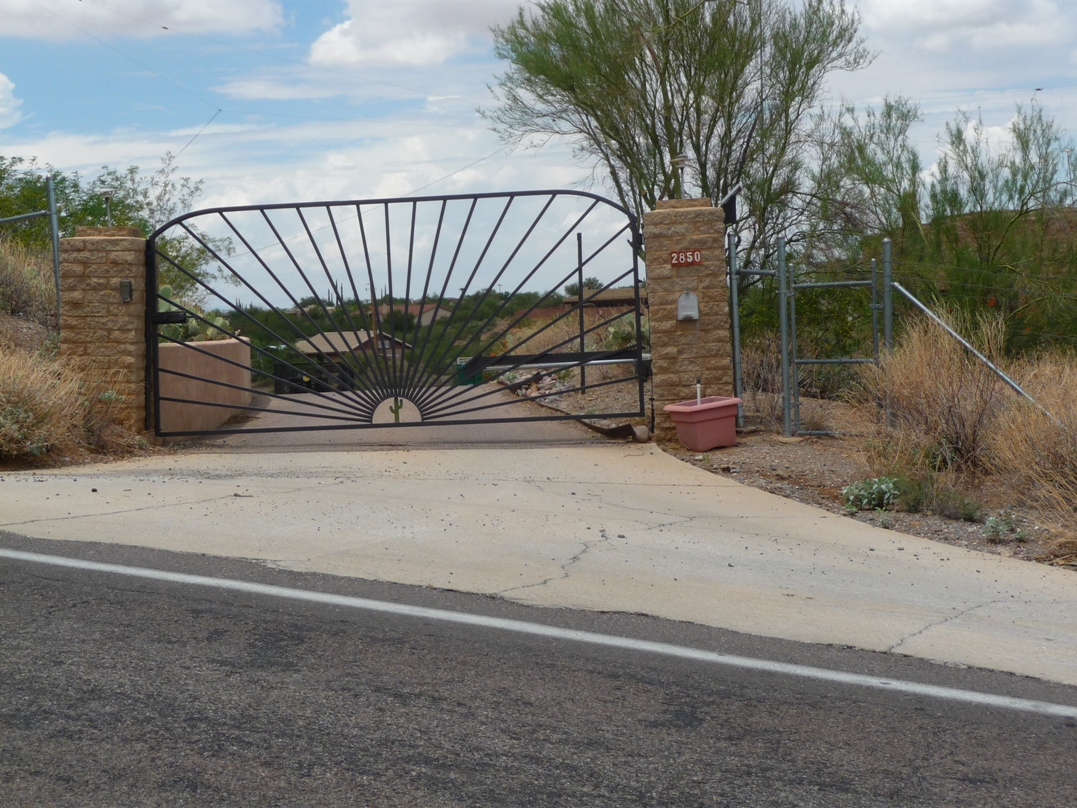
{"x":537,"y":629}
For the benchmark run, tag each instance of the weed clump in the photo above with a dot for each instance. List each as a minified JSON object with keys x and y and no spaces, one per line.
{"x":48,"y":409}
{"x":946,"y":422}
{"x":27,"y":285}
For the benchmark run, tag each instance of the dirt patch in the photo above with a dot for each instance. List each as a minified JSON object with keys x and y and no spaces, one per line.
{"x":24,"y":335}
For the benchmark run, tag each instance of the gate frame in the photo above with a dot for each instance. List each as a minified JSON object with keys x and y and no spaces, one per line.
{"x":791,"y":362}
{"x":633,"y":355}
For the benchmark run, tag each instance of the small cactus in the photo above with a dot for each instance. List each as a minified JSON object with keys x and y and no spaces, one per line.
{"x":395,"y":408}
{"x":194,"y":330}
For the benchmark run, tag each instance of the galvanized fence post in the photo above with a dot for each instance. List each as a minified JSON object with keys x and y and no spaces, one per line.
{"x":783,"y":315}
{"x":888,"y":295}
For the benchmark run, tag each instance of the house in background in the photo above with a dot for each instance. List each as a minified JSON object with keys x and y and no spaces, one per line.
{"x":424,"y":313}
{"x":335,"y":346}
{"x":606,"y":299}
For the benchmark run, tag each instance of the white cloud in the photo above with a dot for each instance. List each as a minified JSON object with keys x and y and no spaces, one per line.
{"x":409,"y":32}
{"x":944,"y":26}
{"x":9,"y":104}
{"x":53,"y":20}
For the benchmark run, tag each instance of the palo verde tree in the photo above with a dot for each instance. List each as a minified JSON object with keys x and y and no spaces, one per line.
{"x":733,"y":85}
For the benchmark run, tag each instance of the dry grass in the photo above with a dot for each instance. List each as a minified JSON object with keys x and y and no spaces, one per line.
{"x":955,"y":428}
{"x":761,"y":379}
{"x":1036,"y":449}
{"x":50,"y":410}
{"x":27,"y":284}
{"x":942,"y":403}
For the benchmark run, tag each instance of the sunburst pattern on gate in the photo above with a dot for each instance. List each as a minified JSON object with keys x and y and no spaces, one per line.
{"x":394,"y":312}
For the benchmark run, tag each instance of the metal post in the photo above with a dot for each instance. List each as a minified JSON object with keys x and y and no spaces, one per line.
{"x":734,"y":318}
{"x":54,"y":226}
{"x":888,"y":295}
{"x":783,"y":316}
{"x":579,"y":280}
{"x":875,"y":309}
{"x":794,"y":353}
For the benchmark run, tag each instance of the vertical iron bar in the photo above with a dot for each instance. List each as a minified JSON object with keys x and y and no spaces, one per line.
{"x":394,"y":376}
{"x":888,"y":295}
{"x":794,"y":367}
{"x":415,"y":380}
{"x":153,"y":399}
{"x":640,"y":368}
{"x":783,"y":318}
{"x":431,"y":369}
{"x":54,"y":228}
{"x":375,"y":316}
{"x":404,"y":367}
{"x":579,"y":278}
{"x":734,"y":317}
{"x":340,"y":367}
{"x":363,"y":320}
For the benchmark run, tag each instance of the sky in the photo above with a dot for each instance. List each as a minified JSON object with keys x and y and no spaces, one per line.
{"x":300,"y":100}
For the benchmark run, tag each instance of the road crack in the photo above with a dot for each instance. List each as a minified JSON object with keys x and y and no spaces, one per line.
{"x":943,"y":622}
{"x":603,"y":538}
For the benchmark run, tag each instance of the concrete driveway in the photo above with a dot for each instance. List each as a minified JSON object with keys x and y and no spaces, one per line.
{"x":299,"y":412}
{"x":596,"y":525}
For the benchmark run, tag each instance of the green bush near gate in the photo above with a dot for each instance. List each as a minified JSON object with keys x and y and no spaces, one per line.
{"x":209,"y":327}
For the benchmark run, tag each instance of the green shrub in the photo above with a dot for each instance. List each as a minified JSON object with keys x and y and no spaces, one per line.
{"x":879,"y":493}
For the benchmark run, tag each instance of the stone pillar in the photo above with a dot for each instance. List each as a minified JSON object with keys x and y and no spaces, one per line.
{"x":98,"y":327}
{"x":685,"y":350}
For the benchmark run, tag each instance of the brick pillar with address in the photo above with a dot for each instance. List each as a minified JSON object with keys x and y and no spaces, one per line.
{"x":103,"y":312}
{"x":685,"y":242}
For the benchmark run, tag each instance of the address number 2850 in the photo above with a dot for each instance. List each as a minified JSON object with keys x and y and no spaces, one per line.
{"x":683,"y":258}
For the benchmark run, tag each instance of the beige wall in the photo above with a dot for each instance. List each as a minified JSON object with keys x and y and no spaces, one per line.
{"x":683,"y":351}
{"x":191,"y":358}
{"x":97,"y":328}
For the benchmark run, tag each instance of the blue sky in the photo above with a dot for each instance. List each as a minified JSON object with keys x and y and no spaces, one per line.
{"x":280,"y":100}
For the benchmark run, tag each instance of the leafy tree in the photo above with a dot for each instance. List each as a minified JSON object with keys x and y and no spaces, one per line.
{"x":876,"y":181}
{"x":990,"y":227}
{"x":573,"y":289}
{"x":634,"y":83}
{"x":139,"y":200}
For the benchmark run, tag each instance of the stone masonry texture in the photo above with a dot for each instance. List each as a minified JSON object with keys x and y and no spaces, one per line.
{"x":97,"y":328}
{"x":684,"y":351}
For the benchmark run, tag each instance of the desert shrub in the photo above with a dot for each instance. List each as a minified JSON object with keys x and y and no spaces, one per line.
{"x":27,"y":283}
{"x":1035,"y":445}
{"x":761,"y":380}
{"x":49,"y":408}
{"x":877,"y":493}
{"x":941,"y":402}
{"x":937,"y":410}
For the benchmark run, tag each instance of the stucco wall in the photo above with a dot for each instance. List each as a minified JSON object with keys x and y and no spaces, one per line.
{"x":213,"y":374}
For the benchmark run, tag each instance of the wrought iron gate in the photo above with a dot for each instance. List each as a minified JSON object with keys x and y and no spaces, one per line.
{"x":393,"y":312}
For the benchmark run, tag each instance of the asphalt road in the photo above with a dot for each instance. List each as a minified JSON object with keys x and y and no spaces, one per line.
{"x":119,"y":691}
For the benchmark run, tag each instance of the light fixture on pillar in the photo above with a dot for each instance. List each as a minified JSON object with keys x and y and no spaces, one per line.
{"x":107,"y":194}
{"x":678,"y":166}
